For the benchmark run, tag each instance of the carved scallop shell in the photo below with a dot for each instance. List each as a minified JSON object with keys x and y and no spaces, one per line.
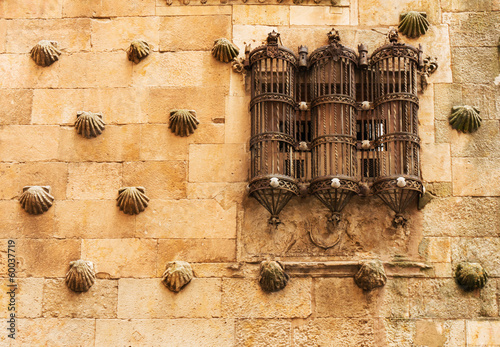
{"x":177,"y":274}
{"x":224,"y":51}
{"x":371,"y":275}
{"x":89,"y":124}
{"x":183,"y":122}
{"x":45,"y":53}
{"x":81,"y":275}
{"x":138,"y":50}
{"x":272,"y":276}
{"x":36,"y":199}
{"x":413,"y":24}
{"x":132,"y":200}
{"x":465,"y":118}
{"x":471,"y":276}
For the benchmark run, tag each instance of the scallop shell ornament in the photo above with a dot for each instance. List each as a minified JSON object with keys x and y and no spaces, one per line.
{"x":132,"y":200}
{"x":81,"y":275}
{"x":89,"y":124}
{"x":413,"y":24}
{"x":183,"y":122}
{"x":45,"y":53}
{"x":371,"y":275}
{"x":224,"y":51}
{"x":138,"y":50}
{"x":177,"y":275}
{"x":272,"y":276}
{"x":36,"y":199}
{"x":471,"y":276}
{"x":465,"y":118}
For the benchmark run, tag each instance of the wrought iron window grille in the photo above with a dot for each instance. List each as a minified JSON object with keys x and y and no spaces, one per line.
{"x":333,"y":123}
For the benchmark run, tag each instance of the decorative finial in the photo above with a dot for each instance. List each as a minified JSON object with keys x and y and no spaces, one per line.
{"x":393,"y":35}
{"x":333,"y":37}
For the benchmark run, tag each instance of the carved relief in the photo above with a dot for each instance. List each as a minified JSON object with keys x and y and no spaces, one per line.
{"x":371,"y":275}
{"x":138,"y":50}
{"x":272,"y":276}
{"x":36,"y":199}
{"x":81,"y":275}
{"x":177,"y":275}
{"x":132,"y":200}
{"x":183,"y":122}
{"x":224,"y":51}
{"x":413,"y":24}
{"x":471,"y":276}
{"x":465,"y":118}
{"x":89,"y":124}
{"x":45,"y":53}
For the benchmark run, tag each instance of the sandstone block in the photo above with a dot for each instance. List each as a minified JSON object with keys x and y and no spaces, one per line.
{"x":460,"y":5}
{"x":95,"y":219}
{"x":486,"y":97}
{"x":261,"y":15}
{"x":29,"y":294}
{"x":226,"y":194}
{"x":484,"y":250}
{"x":51,"y":174}
{"x":28,"y":143}
{"x":122,"y":257}
{"x":57,"y":106}
{"x":375,"y":12}
{"x":55,"y":331}
{"x":9,"y":185}
{"x":118,"y":105}
{"x":436,"y":249}
{"x":244,"y":298}
{"x":72,"y":35}
{"x":149,"y":298}
{"x":456,"y":216}
{"x":117,"y":33}
{"x":100,"y":301}
{"x":476,"y":176}
{"x":195,"y":251}
{"x":237,"y":119}
{"x":94,"y":180}
{"x":162,"y":144}
{"x":318,"y":15}
{"x":17,"y":223}
{"x":218,"y":163}
{"x":162,"y":9}
{"x":483,"y":333}
{"x":474,"y":64}
{"x":204,"y":30}
{"x":116,"y":143}
{"x":445,"y":97}
{"x":164,"y":332}
{"x":187,"y":219}
{"x":20,"y":71}
{"x":108,"y":8}
{"x":436,"y":162}
{"x":472,"y":28}
{"x":162,"y":179}
{"x":254,"y":35}
{"x":485,"y":142}
{"x":16,"y":106}
{"x":334,"y":332}
{"x":3,"y":34}
{"x":263,"y":332}
{"x":45,"y":257}
{"x":426,"y":115}
{"x":33,"y":9}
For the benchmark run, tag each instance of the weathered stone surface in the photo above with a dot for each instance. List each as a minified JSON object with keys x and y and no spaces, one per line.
{"x":72,"y":35}
{"x":20,"y":71}
{"x":218,"y":163}
{"x":226,"y":194}
{"x":334,"y":332}
{"x":164,"y":332}
{"x":100,"y":301}
{"x":33,"y":9}
{"x":439,"y":188}
{"x":3,"y":34}
{"x":446,"y":95}
{"x":263,"y":332}
{"x":9,"y":185}
{"x":474,"y":64}
{"x":426,"y":115}
{"x":51,"y":174}
{"x":318,"y":15}
{"x":485,"y":251}
{"x":244,"y":298}
{"x":94,"y":180}
{"x":148,"y":298}
{"x":161,"y":144}
{"x":476,"y":176}
{"x":28,"y":143}
{"x":483,"y":333}
{"x":97,"y":219}
{"x":17,"y":223}
{"x":196,"y":250}
{"x":473,"y":28}
{"x":456,"y":216}
{"x":29,"y":294}
{"x":436,"y":162}
{"x":254,"y":35}
{"x":162,"y":9}
{"x":162,"y":179}
{"x":485,"y":97}
{"x":45,"y":257}
{"x":261,"y":15}
{"x":237,"y":123}
{"x":370,"y":275}
{"x":203,"y":31}
{"x":485,"y":142}
{"x":387,"y":13}
{"x":443,"y":298}
{"x":466,"y":5}
{"x":117,"y":33}
{"x":16,"y":105}
{"x":436,"y":249}
{"x":122,"y":257}
{"x":108,"y":8}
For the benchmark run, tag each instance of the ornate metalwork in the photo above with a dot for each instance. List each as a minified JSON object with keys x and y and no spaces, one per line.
{"x":430,"y":65}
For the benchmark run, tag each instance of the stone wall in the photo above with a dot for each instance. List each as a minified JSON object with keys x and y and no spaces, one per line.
{"x":199,"y":211}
